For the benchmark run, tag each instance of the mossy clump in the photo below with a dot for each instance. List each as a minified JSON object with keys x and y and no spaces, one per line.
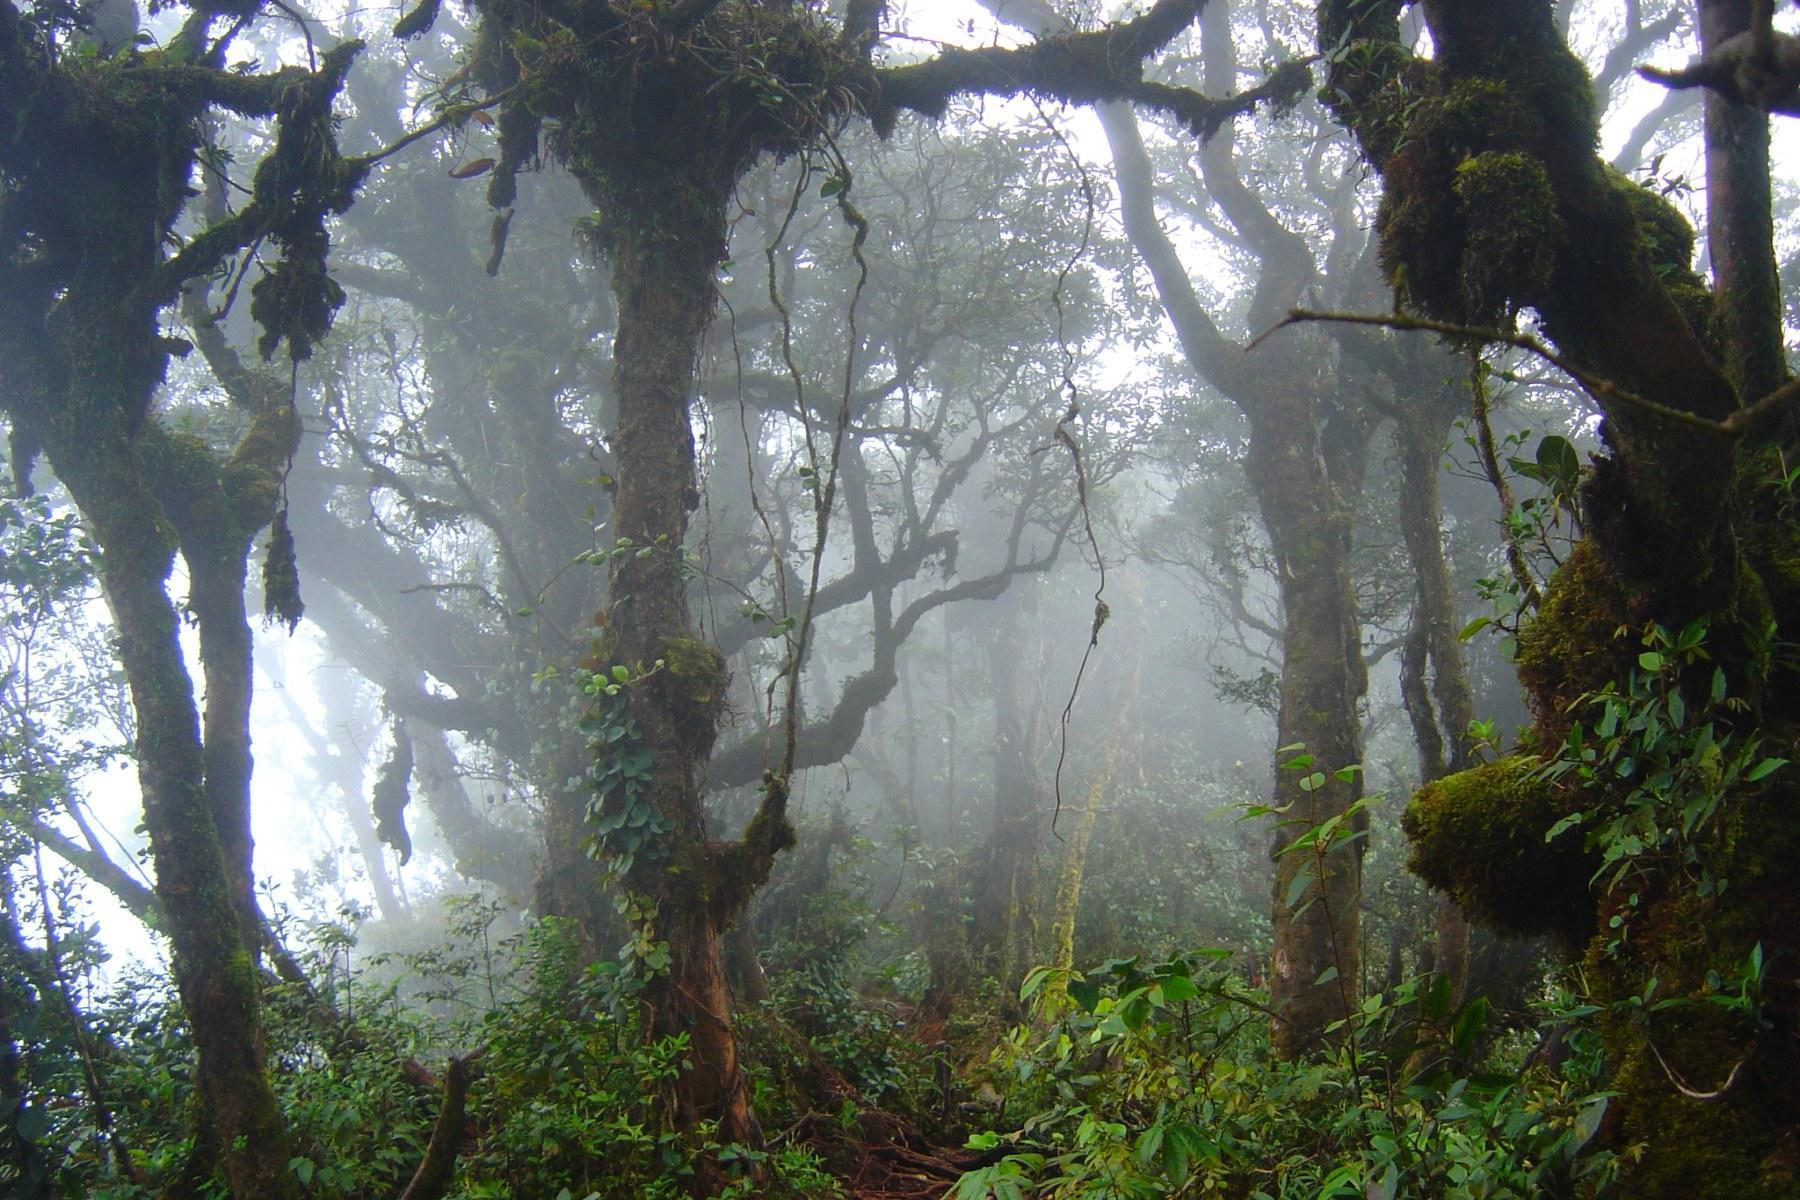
{"x":1468,"y":216}
{"x":1573,"y":646}
{"x":281,"y":576}
{"x":1478,"y":835}
{"x":1667,"y":240}
{"x":692,"y":685}
{"x":1513,"y":229}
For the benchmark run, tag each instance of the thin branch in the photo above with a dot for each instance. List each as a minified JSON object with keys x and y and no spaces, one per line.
{"x":1602,"y":389}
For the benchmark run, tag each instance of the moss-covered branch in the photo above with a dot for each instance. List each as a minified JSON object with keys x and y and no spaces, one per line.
{"x":1090,"y":67}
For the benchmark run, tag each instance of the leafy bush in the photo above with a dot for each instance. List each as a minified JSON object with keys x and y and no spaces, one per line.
{"x":1156,"y":1081}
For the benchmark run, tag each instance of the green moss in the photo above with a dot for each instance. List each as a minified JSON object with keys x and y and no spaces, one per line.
{"x":1667,"y":240}
{"x":699,"y":668}
{"x":1739,"y":1142}
{"x":1506,"y":203}
{"x":1468,"y":219}
{"x":1479,"y":836}
{"x":691,"y":686}
{"x":1572,"y":647}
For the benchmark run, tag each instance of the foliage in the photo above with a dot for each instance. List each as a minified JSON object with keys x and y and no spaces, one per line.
{"x":1154,"y":1080}
{"x":1661,"y":760}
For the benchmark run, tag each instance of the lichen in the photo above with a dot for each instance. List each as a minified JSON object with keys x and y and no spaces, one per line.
{"x":1478,"y":835}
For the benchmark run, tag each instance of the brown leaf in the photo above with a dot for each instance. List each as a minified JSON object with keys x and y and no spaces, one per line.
{"x":469,"y":170}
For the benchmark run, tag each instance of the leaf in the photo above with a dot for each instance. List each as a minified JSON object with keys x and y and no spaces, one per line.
{"x":1474,"y":627}
{"x":472,"y":168}
{"x":1326,"y":976}
{"x":1468,"y":1025}
{"x":1434,"y":1005}
{"x":1177,"y":988}
{"x":1764,"y":769}
{"x":1587,"y":1124}
{"x":1302,"y":880}
{"x":482,"y":117}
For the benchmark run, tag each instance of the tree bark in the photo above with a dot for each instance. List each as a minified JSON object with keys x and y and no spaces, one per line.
{"x":1740,"y":230}
{"x":663,"y":270}
{"x":1309,"y":512}
{"x":213,"y":966}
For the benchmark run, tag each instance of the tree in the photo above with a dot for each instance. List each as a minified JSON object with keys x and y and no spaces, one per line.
{"x":1495,"y":203}
{"x":1305,"y":458}
{"x":658,"y":114}
{"x":98,"y":155}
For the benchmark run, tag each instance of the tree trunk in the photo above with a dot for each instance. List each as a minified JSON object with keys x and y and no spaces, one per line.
{"x":1000,"y":930}
{"x":1310,"y":524}
{"x":1739,"y":224}
{"x":213,"y":965}
{"x":663,"y":265}
{"x":1435,"y":679}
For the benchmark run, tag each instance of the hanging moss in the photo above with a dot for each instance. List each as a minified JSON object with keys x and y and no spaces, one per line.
{"x":1479,"y":836}
{"x":281,"y":576}
{"x":393,"y":792}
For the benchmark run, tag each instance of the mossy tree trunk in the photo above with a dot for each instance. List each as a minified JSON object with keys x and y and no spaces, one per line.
{"x":1434,"y":678}
{"x":96,"y":157}
{"x":1306,"y":477}
{"x":1309,"y":437}
{"x":667,"y":248}
{"x":1740,"y":234}
{"x":1494,"y":202}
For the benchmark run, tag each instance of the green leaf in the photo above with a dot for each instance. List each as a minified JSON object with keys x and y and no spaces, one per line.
{"x":1434,"y":1005}
{"x":1469,"y":1022}
{"x":1177,"y":988}
{"x":1326,"y":976}
{"x":1764,"y":769}
{"x":1474,"y":627}
{"x":1302,"y":880}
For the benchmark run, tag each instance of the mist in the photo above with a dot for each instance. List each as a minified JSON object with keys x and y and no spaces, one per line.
{"x":740,"y":599}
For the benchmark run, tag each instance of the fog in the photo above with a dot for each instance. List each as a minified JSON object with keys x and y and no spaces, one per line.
{"x":1036,"y":576}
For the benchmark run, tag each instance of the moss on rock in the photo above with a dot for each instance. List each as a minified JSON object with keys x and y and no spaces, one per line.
{"x":1478,"y":835}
